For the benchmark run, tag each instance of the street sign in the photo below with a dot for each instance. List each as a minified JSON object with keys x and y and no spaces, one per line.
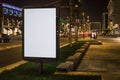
{"x":40,"y":37}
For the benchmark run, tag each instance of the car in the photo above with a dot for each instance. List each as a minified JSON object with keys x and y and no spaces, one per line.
{"x":4,"y":38}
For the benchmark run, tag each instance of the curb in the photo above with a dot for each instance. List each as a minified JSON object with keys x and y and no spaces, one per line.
{"x":9,"y":67}
{"x":79,"y":73}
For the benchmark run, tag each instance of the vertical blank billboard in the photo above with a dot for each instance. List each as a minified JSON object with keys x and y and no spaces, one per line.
{"x":40,"y":40}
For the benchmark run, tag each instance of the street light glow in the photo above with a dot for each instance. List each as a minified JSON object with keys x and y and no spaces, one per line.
{"x":76,"y":6}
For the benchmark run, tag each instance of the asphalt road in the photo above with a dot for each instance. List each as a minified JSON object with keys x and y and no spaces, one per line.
{"x":10,"y":53}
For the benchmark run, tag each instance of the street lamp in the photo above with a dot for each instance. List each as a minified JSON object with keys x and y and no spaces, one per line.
{"x":76,"y":6}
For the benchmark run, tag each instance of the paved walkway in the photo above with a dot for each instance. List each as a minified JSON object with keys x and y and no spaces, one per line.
{"x":103,"y":59}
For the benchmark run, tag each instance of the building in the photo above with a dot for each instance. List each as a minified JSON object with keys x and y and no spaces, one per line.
{"x":105,"y":22}
{"x":114,"y":11}
{"x":113,"y":16}
{"x":10,"y":19}
{"x":95,"y":26}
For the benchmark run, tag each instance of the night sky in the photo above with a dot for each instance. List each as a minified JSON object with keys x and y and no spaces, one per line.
{"x":94,"y":8}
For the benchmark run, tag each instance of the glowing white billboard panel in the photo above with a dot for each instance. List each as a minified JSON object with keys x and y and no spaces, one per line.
{"x":40,"y":32}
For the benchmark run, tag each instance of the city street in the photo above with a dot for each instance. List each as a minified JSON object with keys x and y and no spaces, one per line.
{"x":103,"y":59}
{"x":10,"y":53}
{"x":39,"y":22}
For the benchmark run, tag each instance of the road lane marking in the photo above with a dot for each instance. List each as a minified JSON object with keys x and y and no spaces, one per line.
{"x":8,"y":47}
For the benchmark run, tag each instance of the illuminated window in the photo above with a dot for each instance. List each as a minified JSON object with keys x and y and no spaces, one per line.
{"x":10,"y":12}
{"x":15,"y":13}
{"x":20,"y":14}
{"x":5,"y":10}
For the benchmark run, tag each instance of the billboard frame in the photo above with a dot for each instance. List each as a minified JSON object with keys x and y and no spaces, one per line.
{"x":42,"y":59}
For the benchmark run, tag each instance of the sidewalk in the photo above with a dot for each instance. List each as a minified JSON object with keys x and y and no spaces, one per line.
{"x":103,"y":59}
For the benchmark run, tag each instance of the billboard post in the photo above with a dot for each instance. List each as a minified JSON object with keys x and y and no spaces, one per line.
{"x":41,"y":67}
{"x":40,"y":35}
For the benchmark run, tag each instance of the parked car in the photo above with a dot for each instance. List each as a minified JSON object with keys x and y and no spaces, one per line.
{"x":4,"y":38}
